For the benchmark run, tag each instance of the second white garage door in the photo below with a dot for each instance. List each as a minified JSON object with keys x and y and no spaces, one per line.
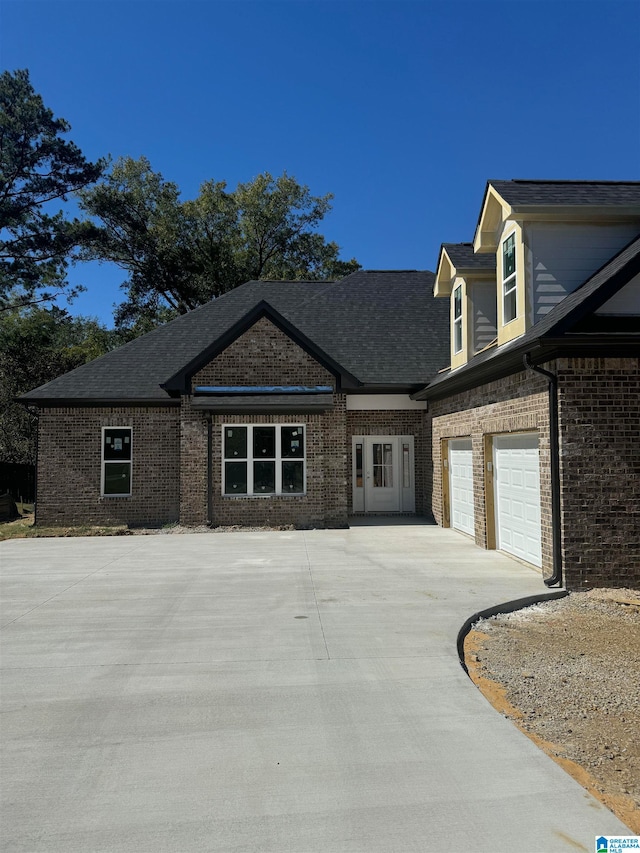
{"x":517,"y":495}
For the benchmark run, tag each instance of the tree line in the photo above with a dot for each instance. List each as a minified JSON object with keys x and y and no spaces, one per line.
{"x":175,"y":254}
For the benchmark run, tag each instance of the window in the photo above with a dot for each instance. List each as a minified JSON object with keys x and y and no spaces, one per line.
{"x":263,"y":460}
{"x":382,"y":465}
{"x":457,"y":319}
{"x":509,"y":306}
{"x":116,"y":461}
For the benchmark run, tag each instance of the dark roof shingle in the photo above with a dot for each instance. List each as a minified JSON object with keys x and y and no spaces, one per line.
{"x":464,"y":258}
{"x":366,"y":322}
{"x":521,"y":193}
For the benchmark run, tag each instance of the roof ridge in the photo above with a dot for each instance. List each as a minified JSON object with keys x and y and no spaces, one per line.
{"x":590,"y":182}
{"x":293,"y":281}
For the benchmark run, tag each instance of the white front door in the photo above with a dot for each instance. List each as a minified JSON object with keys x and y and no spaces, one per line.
{"x":383,"y":473}
{"x":517,"y":495}
{"x":461,"y":485}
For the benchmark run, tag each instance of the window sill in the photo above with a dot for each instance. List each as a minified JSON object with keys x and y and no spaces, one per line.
{"x":264,"y":497}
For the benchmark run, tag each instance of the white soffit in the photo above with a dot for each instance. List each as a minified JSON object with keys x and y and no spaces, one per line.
{"x":382,"y":402}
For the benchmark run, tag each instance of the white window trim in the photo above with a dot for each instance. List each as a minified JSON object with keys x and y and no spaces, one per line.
{"x":457,"y":320}
{"x":105,"y":462}
{"x":511,"y":279}
{"x":278,"y":459}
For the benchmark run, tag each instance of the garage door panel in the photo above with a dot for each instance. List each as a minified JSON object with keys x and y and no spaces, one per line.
{"x":517,"y":484}
{"x":461,"y":485}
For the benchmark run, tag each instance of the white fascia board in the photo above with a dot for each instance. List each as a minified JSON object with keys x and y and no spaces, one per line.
{"x":444,"y":275}
{"x":494,"y":212}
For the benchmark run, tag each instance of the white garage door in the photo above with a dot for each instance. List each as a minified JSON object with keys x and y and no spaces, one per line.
{"x":461,"y":485}
{"x":517,"y":495}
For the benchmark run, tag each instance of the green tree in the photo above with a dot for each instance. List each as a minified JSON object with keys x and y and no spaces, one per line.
{"x":37,"y":344}
{"x":179,"y":255}
{"x":37,"y":168}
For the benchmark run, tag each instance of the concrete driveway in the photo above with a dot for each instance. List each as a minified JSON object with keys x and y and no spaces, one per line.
{"x":283,"y":691}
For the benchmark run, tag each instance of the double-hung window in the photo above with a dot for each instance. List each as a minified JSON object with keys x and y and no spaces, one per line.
{"x":116,"y":461}
{"x":509,"y":303}
{"x":263,"y":460}
{"x":457,"y":319}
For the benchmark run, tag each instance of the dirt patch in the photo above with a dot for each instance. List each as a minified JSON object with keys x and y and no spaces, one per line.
{"x":204,"y":528}
{"x":567,"y":672}
{"x":24,"y":528}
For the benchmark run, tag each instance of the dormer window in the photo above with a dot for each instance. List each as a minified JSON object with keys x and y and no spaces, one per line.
{"x":509,"y":306}
{"x":457,"y":319}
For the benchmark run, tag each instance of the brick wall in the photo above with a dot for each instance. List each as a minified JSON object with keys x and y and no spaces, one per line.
{"x":402,"y":422}
{"x":518,"y":403}
{"x":599,"y":402}
{"x":266,"y":356}
{"x":325,"y":501}
{"x":194,"y":444}
{"x":263,"y":356}
{"x":70,"y":459}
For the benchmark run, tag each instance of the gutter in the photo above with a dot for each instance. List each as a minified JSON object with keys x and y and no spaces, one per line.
{"x":554,"y":447}
{"x":35,"y":473}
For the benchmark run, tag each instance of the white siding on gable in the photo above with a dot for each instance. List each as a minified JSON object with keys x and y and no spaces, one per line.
{"x":485,"y":310}
{"x":563,"y":255}
{"x":626,"y":301}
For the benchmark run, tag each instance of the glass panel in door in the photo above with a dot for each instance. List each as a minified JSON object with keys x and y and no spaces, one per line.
{"x":382,"y":465}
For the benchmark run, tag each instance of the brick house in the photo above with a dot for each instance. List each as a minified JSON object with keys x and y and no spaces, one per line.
{"x":306,"y":402}
{"x":277,"y":403}
{"x":535,"y":424}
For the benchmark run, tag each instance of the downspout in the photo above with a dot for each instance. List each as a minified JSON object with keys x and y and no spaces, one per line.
{"x":554,"y":448}
{"x":35,"y":473}
{"x":209,"y":471}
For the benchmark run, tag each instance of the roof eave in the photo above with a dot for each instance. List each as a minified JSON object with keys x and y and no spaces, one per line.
{"x":540,"y":351}
{"x":574,"y":212}
{"x":387,"y":388}
{"x":95,"y":402}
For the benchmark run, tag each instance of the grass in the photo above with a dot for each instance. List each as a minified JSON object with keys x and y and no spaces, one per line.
{"x":23,"y":528}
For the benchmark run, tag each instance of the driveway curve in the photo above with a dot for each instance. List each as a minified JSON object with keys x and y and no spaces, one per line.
{"x":271,"y":691}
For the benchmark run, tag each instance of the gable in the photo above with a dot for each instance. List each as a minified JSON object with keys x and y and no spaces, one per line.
{"x":263,"y":355}
{"x":180,"y":382}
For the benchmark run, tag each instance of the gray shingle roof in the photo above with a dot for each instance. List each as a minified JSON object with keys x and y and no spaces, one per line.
{"x":521,"y":193}
{"x":384,"y":327}
{"x":464,"y":258}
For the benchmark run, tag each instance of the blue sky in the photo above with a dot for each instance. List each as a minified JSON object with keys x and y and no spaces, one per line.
{"x":403,"y":110}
